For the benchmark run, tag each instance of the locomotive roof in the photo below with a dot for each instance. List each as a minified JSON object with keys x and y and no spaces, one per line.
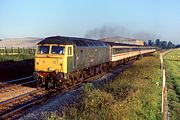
{"x":81,"y":42}
{"x":120,"y":44}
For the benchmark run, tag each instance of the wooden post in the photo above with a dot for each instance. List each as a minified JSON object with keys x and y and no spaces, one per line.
{"x":18,"y":50}
{"x":12,"y":50}
{"x":164,"y":108}
{"x":23,"y":50}
{"x":161,"y":60}
{"x":5,"y":51}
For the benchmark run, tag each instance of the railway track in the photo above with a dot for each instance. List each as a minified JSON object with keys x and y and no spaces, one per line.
{"x":16,"y":82}
{"x":14,"y":107}
{"x":13,"y":88}
{"x":9,"y":108}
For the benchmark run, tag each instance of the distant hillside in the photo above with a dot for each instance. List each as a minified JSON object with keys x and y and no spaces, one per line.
{"x":20,"y":42}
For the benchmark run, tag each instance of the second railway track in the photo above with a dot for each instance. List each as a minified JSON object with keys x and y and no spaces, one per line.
{"x":12,"y":108}
{"x":14,"y":85}
{"x":13,"y":88}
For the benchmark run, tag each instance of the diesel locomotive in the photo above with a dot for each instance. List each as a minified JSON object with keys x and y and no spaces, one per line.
{"x":62,"y":61}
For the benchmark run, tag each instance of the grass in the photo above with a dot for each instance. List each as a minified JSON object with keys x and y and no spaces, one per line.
{"x":18,"y":57}
{"x":16,"y":54}
{"x":172,"y":64}
{"x":16,"y":50}
{"x":134,"y":95}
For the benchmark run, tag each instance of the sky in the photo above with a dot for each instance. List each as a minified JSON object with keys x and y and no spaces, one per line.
{"x":142,"y":19}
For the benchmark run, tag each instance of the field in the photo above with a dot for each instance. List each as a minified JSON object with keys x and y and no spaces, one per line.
{"x":134,"y":95}
{"x":18,"y":57}
{"x":172,"y":64}
{"x":16,"y":54}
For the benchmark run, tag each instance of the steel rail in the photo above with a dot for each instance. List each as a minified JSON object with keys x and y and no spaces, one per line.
{"x":15,"y":86}
{"x":17,"y":108}
{"x":14,"y":98}
{"x":19,"y":79}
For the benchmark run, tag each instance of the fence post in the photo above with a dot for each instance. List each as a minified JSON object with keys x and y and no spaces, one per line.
{"x":18,"y":50}
{"x":5,"y":51}
{"x":29,"y":51}
{"x":12,"y":50}
{"x":23,"y":50}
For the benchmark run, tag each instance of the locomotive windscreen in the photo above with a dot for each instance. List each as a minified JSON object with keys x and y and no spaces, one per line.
{"x":43,"y":49}
{"x":57,"y":50}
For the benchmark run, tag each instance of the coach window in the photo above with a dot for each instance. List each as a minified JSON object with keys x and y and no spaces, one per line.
{"x":69,"y":50}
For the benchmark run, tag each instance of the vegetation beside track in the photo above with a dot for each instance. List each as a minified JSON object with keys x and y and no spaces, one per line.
{"x":16,"y":63}
{"x":172,"y":65}
{"x":17,"y":57}
{"x":16,"y":54}
{"x":135,"y":95}
{"x":16,"y":69}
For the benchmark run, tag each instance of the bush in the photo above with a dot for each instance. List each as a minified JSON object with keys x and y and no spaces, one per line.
{"x":18,"y":57}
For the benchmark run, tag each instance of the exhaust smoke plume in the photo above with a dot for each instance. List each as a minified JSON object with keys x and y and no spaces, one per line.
{"x":145,"y":36}
{"x":107,"y":31}
{"x":112,"y":31}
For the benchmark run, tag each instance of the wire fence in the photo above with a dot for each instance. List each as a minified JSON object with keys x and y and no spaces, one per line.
{"x":16,"y":51}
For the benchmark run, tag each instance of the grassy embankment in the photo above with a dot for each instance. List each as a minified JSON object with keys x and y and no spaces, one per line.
{"x":172,"y":64}
{"x":16,"y":54}
{"x":18,"y":57}
{"x":16,"y":63}
{"x":134,"y":95}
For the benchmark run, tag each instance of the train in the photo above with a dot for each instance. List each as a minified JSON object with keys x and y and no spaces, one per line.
{"x":64,"y":61}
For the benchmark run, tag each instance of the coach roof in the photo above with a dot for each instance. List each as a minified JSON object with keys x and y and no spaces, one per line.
{"x":80,"y":42}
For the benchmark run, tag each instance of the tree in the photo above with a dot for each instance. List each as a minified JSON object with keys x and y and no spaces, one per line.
{"x":150,"y":43}
{"x":158,"y":43}
{"x":170,"y":45}
{"x":164,"y":44}
{"x":178,"y":46}
{"x":145,"y":44}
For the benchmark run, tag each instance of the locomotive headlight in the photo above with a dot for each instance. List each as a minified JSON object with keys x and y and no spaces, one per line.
{"x":50,"y":69}
{"x":61,"y":60}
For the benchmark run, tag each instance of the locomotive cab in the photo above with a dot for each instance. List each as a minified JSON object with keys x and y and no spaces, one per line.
{"x":50,"y":58}
{"x":51,"y":61}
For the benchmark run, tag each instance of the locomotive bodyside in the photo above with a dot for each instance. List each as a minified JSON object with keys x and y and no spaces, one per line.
{"x":90,"y":56}
{"x":61,"y":60}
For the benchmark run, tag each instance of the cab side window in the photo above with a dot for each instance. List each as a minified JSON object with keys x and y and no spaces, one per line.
{"x":69,"y":50}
